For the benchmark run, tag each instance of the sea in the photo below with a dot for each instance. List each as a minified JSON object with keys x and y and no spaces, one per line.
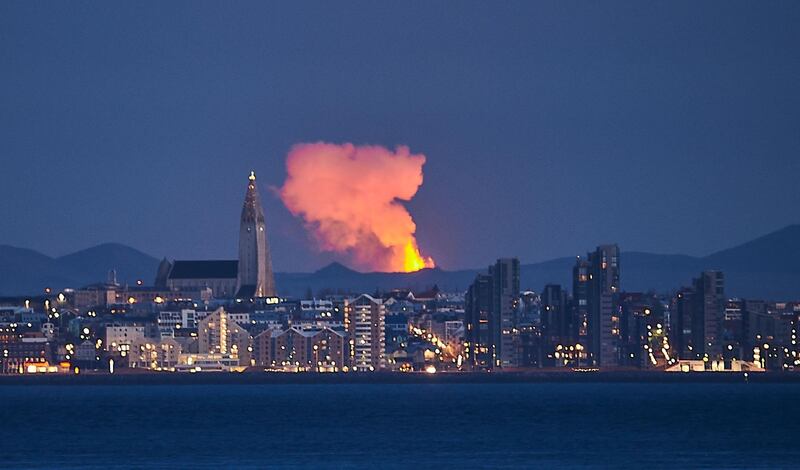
{"x":386,"y":426}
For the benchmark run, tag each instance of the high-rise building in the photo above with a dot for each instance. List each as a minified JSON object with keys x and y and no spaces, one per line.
{"x":255,"y":278}
{"x":604,"y":311}
{"x":643,"y":332}
{"x":505,"y":298}
{"x":477,"y":308}
{"x":490,"y":316}
{"x":364,"y":319}
{"x":699,"y":313}
{"x":596,"y":284}
{"x":556,"y":319}
{"x":709,"y":298}
{"x":681,"y":324}
{"x":580,"y":300}
{"x":755,"y":326}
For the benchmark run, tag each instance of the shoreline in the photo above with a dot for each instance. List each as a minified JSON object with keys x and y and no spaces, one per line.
{"x":279,"y":378}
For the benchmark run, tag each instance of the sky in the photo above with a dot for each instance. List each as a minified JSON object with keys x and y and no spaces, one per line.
{"x":548,"y":127}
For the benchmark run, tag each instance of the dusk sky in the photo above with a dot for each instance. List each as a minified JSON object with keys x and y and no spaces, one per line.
{"x":547,"y":127}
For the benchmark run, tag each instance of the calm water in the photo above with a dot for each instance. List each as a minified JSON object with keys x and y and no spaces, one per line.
{"x":394,"y":426}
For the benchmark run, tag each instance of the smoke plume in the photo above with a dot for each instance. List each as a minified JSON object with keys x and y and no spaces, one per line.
{"x":349,"y":196}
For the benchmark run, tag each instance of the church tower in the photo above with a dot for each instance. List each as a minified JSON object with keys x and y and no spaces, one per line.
{"x":255,"y":277}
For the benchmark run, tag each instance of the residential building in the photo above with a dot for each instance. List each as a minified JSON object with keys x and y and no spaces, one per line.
{"x":121,"y":337}
{"x":478,"y":350}
{"x":556,"y":318}
{"x":490,"y":316}
{"x":299,"y":348}
{"x":159,"y":354}
{"x":219,"y":334}
{"x":699,"y":313}
{"x":505,"y":298}
{"x":364,"y":319}
{"x":596,"y":284}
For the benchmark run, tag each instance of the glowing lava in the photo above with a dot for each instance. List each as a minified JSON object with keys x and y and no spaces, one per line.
{"x":413,"y":260}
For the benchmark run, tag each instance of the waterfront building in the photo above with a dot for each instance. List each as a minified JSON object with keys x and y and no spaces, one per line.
{"x":18,"y":353}
{"x":489,"y":316}
{"x":477,"y":310}
{"x":710,"y":302}
{"x":643,"y":340}
{"x":301,"y":348}
{"x":505,"y":299}
{"x":364,"y":319}
{"x":556,"y":318}
{"x":209,"y":362}
{"x":264,"y":348}
{"x":219,"y":334}
{"x":699,"y":312}
{"x":87,"y":354}
{"x":580,"y":300}
{"x":681,"y":314}
{"x":121,"y":337}
{"x":596,"y":284}
{"x":154,"y":354}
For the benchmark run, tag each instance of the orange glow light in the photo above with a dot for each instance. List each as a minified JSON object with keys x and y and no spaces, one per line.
{"x":413,"y":260}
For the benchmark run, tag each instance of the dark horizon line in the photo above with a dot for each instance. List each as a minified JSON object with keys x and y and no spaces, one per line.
{"x":342,"y":263}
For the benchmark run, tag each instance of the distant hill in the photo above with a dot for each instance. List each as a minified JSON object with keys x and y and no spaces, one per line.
{"x":24,"y":271}
{"x":767,"y":267}
{"x":336,"y":277}
{"x":95,"y":262}
{"x":776,"y":252}
{"x":641,"y":271}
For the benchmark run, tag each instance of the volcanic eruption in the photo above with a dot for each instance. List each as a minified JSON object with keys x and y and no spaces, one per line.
{"x":350,"y":197}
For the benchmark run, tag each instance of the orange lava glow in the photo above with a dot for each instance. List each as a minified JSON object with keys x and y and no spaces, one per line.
{"x":351,"y":200}
{"x":413,"y":260}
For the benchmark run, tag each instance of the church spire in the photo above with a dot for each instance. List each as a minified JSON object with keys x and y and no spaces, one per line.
{"x":252,"y":211}
{"x":255,"y":278}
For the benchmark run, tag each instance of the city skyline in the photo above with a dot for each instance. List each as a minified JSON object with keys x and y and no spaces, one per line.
{"x":360,"y":234}
{"x":516,"y":116}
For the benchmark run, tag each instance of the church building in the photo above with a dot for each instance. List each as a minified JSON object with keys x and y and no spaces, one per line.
{"x":246,"y":278}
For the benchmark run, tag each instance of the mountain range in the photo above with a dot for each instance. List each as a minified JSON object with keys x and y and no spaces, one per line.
{"x":767,"y":268}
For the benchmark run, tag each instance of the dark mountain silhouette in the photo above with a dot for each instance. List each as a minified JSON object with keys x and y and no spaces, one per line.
{"x":24,"y":271}
{"x":777,"y":252}
{"x":767,"y":267}
{"x":334,"y":270}
{"x":95,"y":262}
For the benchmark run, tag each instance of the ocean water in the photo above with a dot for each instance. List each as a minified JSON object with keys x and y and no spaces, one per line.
{"x":524,"y":425}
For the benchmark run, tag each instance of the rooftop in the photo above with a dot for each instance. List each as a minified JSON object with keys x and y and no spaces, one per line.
{"x":204,"y":269}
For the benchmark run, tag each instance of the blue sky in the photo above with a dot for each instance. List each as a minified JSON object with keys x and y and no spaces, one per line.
{"x":548,"y":127}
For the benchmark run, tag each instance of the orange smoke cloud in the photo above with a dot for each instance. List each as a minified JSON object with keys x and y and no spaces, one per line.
{"x":349,"y":197}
